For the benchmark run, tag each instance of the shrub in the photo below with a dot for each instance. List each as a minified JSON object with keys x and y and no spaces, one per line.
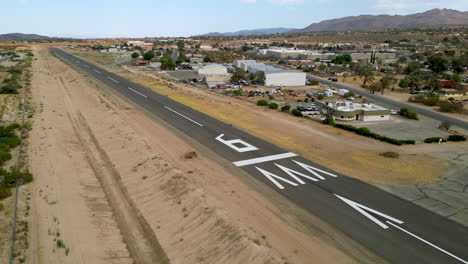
{"x":262,"y":102}
{"x":1,"y":207}
{"x":363,"y":131}
{"x":328,"y":121}
{"x":285,"y":108}
{"x":417,"y":99}
{"x":390,"y":154}
{"x":4,"y":193}
{"x":10,"y":141}
{"x":4,"y":156}
{"x":408,"y":113}
{"x":237,"y":92}
{"x":432,"y":140}
{"x":273,"y":105}
{"x":296,"y":112}
{"x":366,"y":132}
{"x":456,"y":138}
{"x":348,"y":94}
{"x":445,"y":125}
{"x":320,"y":97}
{"x":251,"y":95}
{"x":431,"y":101}
{"x":313,"y":82}
{"x":450,"y":107}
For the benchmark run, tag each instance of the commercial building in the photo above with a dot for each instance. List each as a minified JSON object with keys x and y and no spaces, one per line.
{"x":214,"y":74}
{"x":273,"y":76}
{"x":347,"y":111}
{"x":213,"y":69}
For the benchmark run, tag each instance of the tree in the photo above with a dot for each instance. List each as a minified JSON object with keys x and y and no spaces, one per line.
{"x":413,"y":80}
{"x":237,"y":75}
{"x":403,"y":83}
{"x":457,"y":65}
{"x":437,"y":64}
{"x":322,"y":67}
{"x":135,"y":55}
{"x":148,"y":55}
{"x":413,"y":66}
{"x":342,"y":59}
{"x":167,"y":63}
{"x":158,"y":53}
{"x":366,"y":72}
{"x":375,"y":86}
{"x":386,"y":82}
{"x":207,"y":59}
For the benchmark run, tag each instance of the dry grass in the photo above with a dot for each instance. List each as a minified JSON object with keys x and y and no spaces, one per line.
{"x":97,"y":57}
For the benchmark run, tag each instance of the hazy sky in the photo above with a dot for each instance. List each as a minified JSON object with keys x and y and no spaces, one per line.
{"x":106,"y":18}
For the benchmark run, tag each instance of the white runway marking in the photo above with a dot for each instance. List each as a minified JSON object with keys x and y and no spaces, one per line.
{"x":135,"y":91}
{"x":112,"y":79}
{"x":427,"y":242}
{"x":97,"y":71}
{"x":183,"y":116}
{"x":264,"y":159}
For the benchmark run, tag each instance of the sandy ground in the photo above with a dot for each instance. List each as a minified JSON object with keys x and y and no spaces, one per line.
{"x":350,"y":154}
{"x":114,"y":184}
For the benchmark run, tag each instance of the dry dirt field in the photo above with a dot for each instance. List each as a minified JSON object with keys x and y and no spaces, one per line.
{"x":113,"y":186}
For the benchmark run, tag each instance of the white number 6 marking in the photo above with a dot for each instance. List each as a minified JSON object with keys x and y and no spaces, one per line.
{"x":231,"y":143}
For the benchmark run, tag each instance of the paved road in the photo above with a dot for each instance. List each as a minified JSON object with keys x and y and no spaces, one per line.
{"x":397,"y":105}
{"x":395,"y":229}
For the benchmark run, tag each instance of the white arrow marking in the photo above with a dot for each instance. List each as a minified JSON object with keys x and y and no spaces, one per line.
{"x":271,"y":177}
{"x":313,"y":169}
{"x":362,"y":209}
{"x":427,"y":242}
{"x":293,"y":174}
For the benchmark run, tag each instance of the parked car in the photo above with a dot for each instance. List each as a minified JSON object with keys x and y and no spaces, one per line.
{"x":293,"y":94}
{"x":393,"y":112}
{"x":350,"y":98}
{"x":301,"y":108}
{"x":334,"y":79}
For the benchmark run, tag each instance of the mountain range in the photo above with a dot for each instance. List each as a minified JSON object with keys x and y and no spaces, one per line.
{"x":431,"y":18}
{"x":22,"y":37}
{"x":260,"y":31}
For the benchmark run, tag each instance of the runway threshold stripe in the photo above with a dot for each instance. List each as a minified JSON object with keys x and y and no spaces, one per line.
{"x":97,"y":71}
{"x":191,"y":120}
{"x":135,"y":91}
{"x":264,"y":159}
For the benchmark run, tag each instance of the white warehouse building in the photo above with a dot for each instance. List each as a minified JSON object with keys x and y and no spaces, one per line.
{"x":275,"y":76}
{"x":213,"y":69}
{"x":285,"y":78}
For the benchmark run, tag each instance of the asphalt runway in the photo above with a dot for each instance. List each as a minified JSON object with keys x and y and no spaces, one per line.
{"x":395,"y":229}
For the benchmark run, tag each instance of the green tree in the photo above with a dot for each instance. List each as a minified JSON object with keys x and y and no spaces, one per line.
{"x":207,"y":59}
{"x":237,"y":75}
{"x":342,"y":59}
{"x":158,"y":53}
{"x":366,"y":72}
{"x":413,"y":66}
{"x":148,"y":55}
{"x":167,"y":63}
{"x":387,"y":81}
{"x":457,"y":65}
{"x":437,"y":64}
{"x":135,"y":55}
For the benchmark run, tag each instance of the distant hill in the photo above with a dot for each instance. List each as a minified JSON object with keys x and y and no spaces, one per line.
{"x":261,"y":31}
{"x":431,"y":18}
{"x":21,"y":36}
